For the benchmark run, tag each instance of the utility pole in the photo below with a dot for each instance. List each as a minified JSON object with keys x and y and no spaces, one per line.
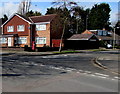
{"x":77,"y":18}
{"x":77,"y":27}
{"x":113,"y":37}
{"x":86,"y":21}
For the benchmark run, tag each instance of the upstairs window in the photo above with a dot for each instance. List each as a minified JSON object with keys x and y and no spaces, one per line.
{"x":10,"y":29}
{"x":40,"y":27}
{"x":20,"y":28}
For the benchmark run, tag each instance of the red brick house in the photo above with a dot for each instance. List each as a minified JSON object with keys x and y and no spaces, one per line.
{"x":19,"y":31}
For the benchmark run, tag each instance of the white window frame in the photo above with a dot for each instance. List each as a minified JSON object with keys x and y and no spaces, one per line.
{"x":10,"y":28}
{"x":40,"y":40}
{"x":22,"y":40}
{"x":3,"y":40}
{"x":41,"y":27}
{"x":19,"y":29}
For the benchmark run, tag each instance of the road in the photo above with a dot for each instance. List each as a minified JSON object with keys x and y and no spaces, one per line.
{"x":57,"y":73}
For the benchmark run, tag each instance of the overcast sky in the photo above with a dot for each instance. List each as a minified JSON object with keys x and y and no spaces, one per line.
{"x":9,"y":7}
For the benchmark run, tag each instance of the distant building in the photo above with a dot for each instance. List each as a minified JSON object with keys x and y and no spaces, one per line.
{"x":86,"y":40}
{"x":91,"y":39}
{"x":107,"y":36}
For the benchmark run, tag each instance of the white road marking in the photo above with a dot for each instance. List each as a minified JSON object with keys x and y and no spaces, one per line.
{"x":101,"y":77}
{"x":92,"y":75}
{"x":113,"y":79}
{"x":35,"y":64}
{"x":87,"y":71}
{"x":69,"y":70}
{"x":11,"y":60}
{"x":77,"y":72}
{"x":80,"y":70}
{"x":102,"y":74}
{"x":116,"y":77}
{"x":84,"y":73}
{"x":42,"y":65}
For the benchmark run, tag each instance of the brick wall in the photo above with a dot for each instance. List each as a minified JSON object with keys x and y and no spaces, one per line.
{"x":45,"y":33}
{"x":15,"y":21}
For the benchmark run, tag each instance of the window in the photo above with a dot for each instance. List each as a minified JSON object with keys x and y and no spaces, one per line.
{"x":100,"y":33}
{"x":40,"y":40}
{"x":3,"y":40}
{"x":22,"y":40}
{"x":40,"y":27}
{"x":10,"y":29}
{"x":104,"y":33}
{"x":20,"y":27}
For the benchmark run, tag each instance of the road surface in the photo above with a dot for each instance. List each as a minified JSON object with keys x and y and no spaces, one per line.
{"x":57,"y":73}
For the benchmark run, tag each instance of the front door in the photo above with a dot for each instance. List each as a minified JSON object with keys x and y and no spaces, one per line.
{"x":9,"y":41}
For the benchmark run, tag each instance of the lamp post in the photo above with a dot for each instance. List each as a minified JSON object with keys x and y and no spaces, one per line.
{"x":114,"y":37}
{"x":86,"y":21}
{"x":78,"y":17}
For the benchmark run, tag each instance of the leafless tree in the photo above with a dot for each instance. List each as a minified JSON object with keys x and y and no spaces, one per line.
{"x":24,"y":7}
{"x":63,"y":4}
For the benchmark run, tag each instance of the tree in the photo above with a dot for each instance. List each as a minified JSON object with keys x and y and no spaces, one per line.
{"x":64,"y":5}
{"x":31,"y":13}
{"x":78,"y":19}
{"x":99,"y":16}
{"x":53,"y":11}
{"x":24,"y":7}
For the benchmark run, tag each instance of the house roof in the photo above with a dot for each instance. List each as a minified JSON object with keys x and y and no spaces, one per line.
{"x":45,"y":18}
{"x":81,"y":37}
{"x":20,"y":16}
{"x":33,"y":19}
{"x":117,"y":37}
{"x":87,"y":32}
{"x":24,"y":17}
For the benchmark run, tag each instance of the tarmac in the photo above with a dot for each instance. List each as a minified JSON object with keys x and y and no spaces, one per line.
{"x":105,"y":62}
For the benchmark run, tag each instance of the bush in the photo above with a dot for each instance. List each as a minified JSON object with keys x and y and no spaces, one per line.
{"x":102,"y":43}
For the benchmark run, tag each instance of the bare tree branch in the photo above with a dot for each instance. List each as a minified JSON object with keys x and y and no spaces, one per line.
{"x":24,"y":7}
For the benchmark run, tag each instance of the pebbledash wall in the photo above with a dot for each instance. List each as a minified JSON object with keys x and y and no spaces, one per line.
{"x":30,"y":32}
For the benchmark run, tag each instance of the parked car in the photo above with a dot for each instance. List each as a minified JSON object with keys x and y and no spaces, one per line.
{"x":109,"y":46}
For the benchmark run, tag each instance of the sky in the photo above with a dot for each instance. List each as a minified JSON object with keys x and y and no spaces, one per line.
{"x":9,"y":7}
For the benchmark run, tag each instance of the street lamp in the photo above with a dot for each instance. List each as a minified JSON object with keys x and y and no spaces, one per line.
{"x":78,"y":17}
{"x":86,"y":21}
{"x":114,"y":38}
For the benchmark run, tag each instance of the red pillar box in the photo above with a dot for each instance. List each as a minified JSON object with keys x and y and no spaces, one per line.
{"x":33,"y":45}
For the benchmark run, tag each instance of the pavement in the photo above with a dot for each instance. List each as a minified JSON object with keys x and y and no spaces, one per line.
{"x":110,"y":63}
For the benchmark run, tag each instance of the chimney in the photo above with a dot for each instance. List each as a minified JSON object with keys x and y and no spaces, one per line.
{"x":103,"y":28}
